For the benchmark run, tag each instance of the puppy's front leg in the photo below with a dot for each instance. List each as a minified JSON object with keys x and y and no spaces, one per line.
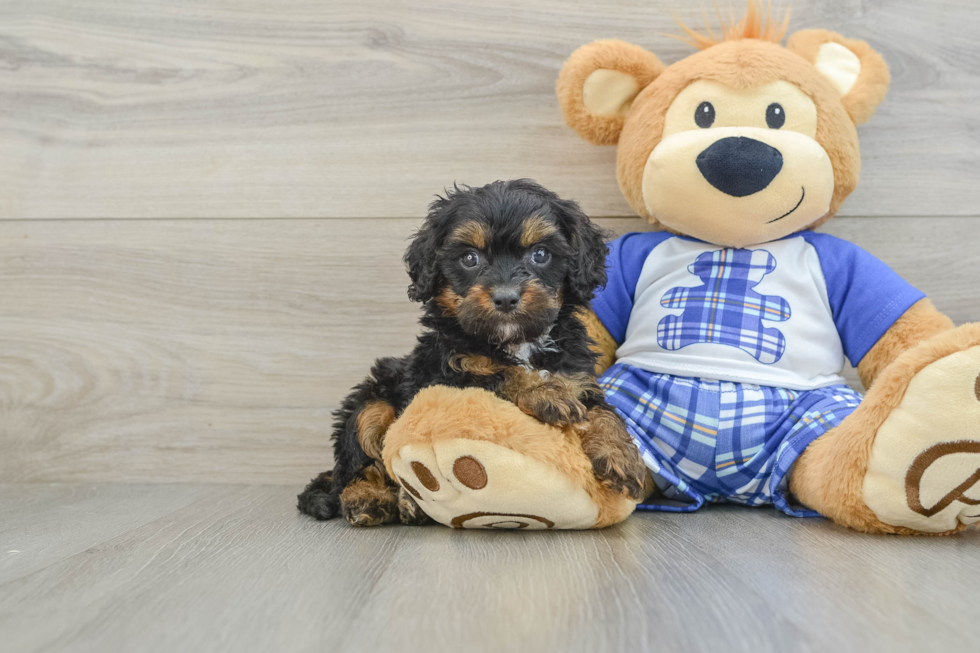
{"x":553,"y":399}
{"x":615,"y":458}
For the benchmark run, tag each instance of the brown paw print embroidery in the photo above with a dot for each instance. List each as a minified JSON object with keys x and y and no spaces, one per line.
{"x":500,"y":521}
{"x":921,"y":464}
{"x":472,"y":474}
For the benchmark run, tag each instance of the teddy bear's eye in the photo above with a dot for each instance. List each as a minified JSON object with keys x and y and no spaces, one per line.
{"x":775,"y":115}
{"x":704,"y":115}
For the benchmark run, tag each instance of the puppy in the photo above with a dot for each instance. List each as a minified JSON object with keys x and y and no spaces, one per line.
{"x":502,"y":272}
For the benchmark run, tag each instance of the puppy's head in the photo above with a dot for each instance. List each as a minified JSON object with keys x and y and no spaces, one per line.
{"x":503,"y":259}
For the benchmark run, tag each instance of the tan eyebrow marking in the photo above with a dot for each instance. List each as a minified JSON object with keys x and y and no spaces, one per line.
{"x":471,"y":233}
{"x":536,"y":228}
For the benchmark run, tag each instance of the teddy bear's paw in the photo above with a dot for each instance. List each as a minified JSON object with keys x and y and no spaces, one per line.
{"x":924,"y":470}
{"x":479,"y":484}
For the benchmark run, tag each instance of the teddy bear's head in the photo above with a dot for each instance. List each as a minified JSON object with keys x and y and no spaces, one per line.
{"x":744,"y":142}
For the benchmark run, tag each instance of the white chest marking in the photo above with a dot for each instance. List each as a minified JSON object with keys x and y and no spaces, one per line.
{"x":525,"y":350}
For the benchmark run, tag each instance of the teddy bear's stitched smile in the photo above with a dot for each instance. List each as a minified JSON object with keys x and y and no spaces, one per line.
{"x":802,"y":195}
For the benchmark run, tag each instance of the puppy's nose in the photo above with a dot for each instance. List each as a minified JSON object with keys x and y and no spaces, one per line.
{"x":740,"y":166}
{"x":505,"y":300}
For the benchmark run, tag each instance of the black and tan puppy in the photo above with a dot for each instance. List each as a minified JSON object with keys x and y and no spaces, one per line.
{"x":502,"y":271}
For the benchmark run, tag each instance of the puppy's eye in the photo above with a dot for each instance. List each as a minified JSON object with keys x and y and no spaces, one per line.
{"x":775,"y":116}
{"x":540,"y":256}
{"x":704,"y":115}
{"x":470,"y":259}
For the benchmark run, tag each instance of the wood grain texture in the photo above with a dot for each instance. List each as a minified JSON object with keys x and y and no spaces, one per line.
{"x":238,"y":569}
{"x":365,"y":108}
{"x":215,"y":350}
{"x":43,"y":524}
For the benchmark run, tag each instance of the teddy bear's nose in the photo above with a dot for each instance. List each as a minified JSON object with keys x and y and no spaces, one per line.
{"x":740,"y":166}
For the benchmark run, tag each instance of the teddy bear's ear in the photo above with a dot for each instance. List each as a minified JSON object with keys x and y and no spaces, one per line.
{"x":858,"y":73}
{"x":597,"y":86}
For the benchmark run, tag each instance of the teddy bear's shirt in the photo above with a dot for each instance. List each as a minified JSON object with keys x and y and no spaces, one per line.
{"x":781,"y":314}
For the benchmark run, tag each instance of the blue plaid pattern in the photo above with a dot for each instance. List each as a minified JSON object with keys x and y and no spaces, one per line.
{"x":725,"y":309}
{"x":721,"y":441}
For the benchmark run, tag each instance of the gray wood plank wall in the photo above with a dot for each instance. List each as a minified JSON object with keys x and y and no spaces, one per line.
{"x":365,"y":108}
{"x":151,"y":331}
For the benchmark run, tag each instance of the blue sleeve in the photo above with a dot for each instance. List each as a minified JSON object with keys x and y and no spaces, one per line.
{"x":866,"y":296}
{"x":627,"y":254}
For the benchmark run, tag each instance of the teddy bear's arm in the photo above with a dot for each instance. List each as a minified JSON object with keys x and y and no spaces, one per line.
{"x":920,"y":322}
{"x":605,"y":345}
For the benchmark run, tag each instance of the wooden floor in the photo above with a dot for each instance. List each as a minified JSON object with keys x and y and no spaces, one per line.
{"x":205,"y":568}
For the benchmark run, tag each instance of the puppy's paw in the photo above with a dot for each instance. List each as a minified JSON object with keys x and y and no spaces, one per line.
{"x":318,"y":500}
{"x":616,"y":461}
{"x":555,"y":409}
{"x":370,"y":511}
{"x":620,"y":469}
{"x":409,"y":511}
{"x":366,"y":503}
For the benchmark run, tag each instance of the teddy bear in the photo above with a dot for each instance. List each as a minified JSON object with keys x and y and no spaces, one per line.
{"x":723,"y":331}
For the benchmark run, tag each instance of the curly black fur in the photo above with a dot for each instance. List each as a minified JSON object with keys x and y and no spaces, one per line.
{"x":461,"y":319}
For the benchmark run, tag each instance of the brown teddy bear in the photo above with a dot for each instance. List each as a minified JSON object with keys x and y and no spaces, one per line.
{"x":724,"y":332}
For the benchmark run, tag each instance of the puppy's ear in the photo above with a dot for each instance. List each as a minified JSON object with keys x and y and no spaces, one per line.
{"x":588,"y":269}
{"x":597,"y":86}
{"x":858,"y":73}
{"x":420,"y":257}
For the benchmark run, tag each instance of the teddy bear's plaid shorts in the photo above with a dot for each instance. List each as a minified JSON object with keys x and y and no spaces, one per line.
{"x":721,"y":441}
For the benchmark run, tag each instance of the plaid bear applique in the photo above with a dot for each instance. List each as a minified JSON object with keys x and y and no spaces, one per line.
{"x":726,"y":309}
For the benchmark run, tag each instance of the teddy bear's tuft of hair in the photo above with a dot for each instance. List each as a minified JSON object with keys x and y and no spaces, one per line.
{"x":757,"y":23}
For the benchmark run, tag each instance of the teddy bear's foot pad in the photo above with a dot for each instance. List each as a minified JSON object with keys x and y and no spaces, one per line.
{"x":924,"y":470}
{"x":478,"y":484}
